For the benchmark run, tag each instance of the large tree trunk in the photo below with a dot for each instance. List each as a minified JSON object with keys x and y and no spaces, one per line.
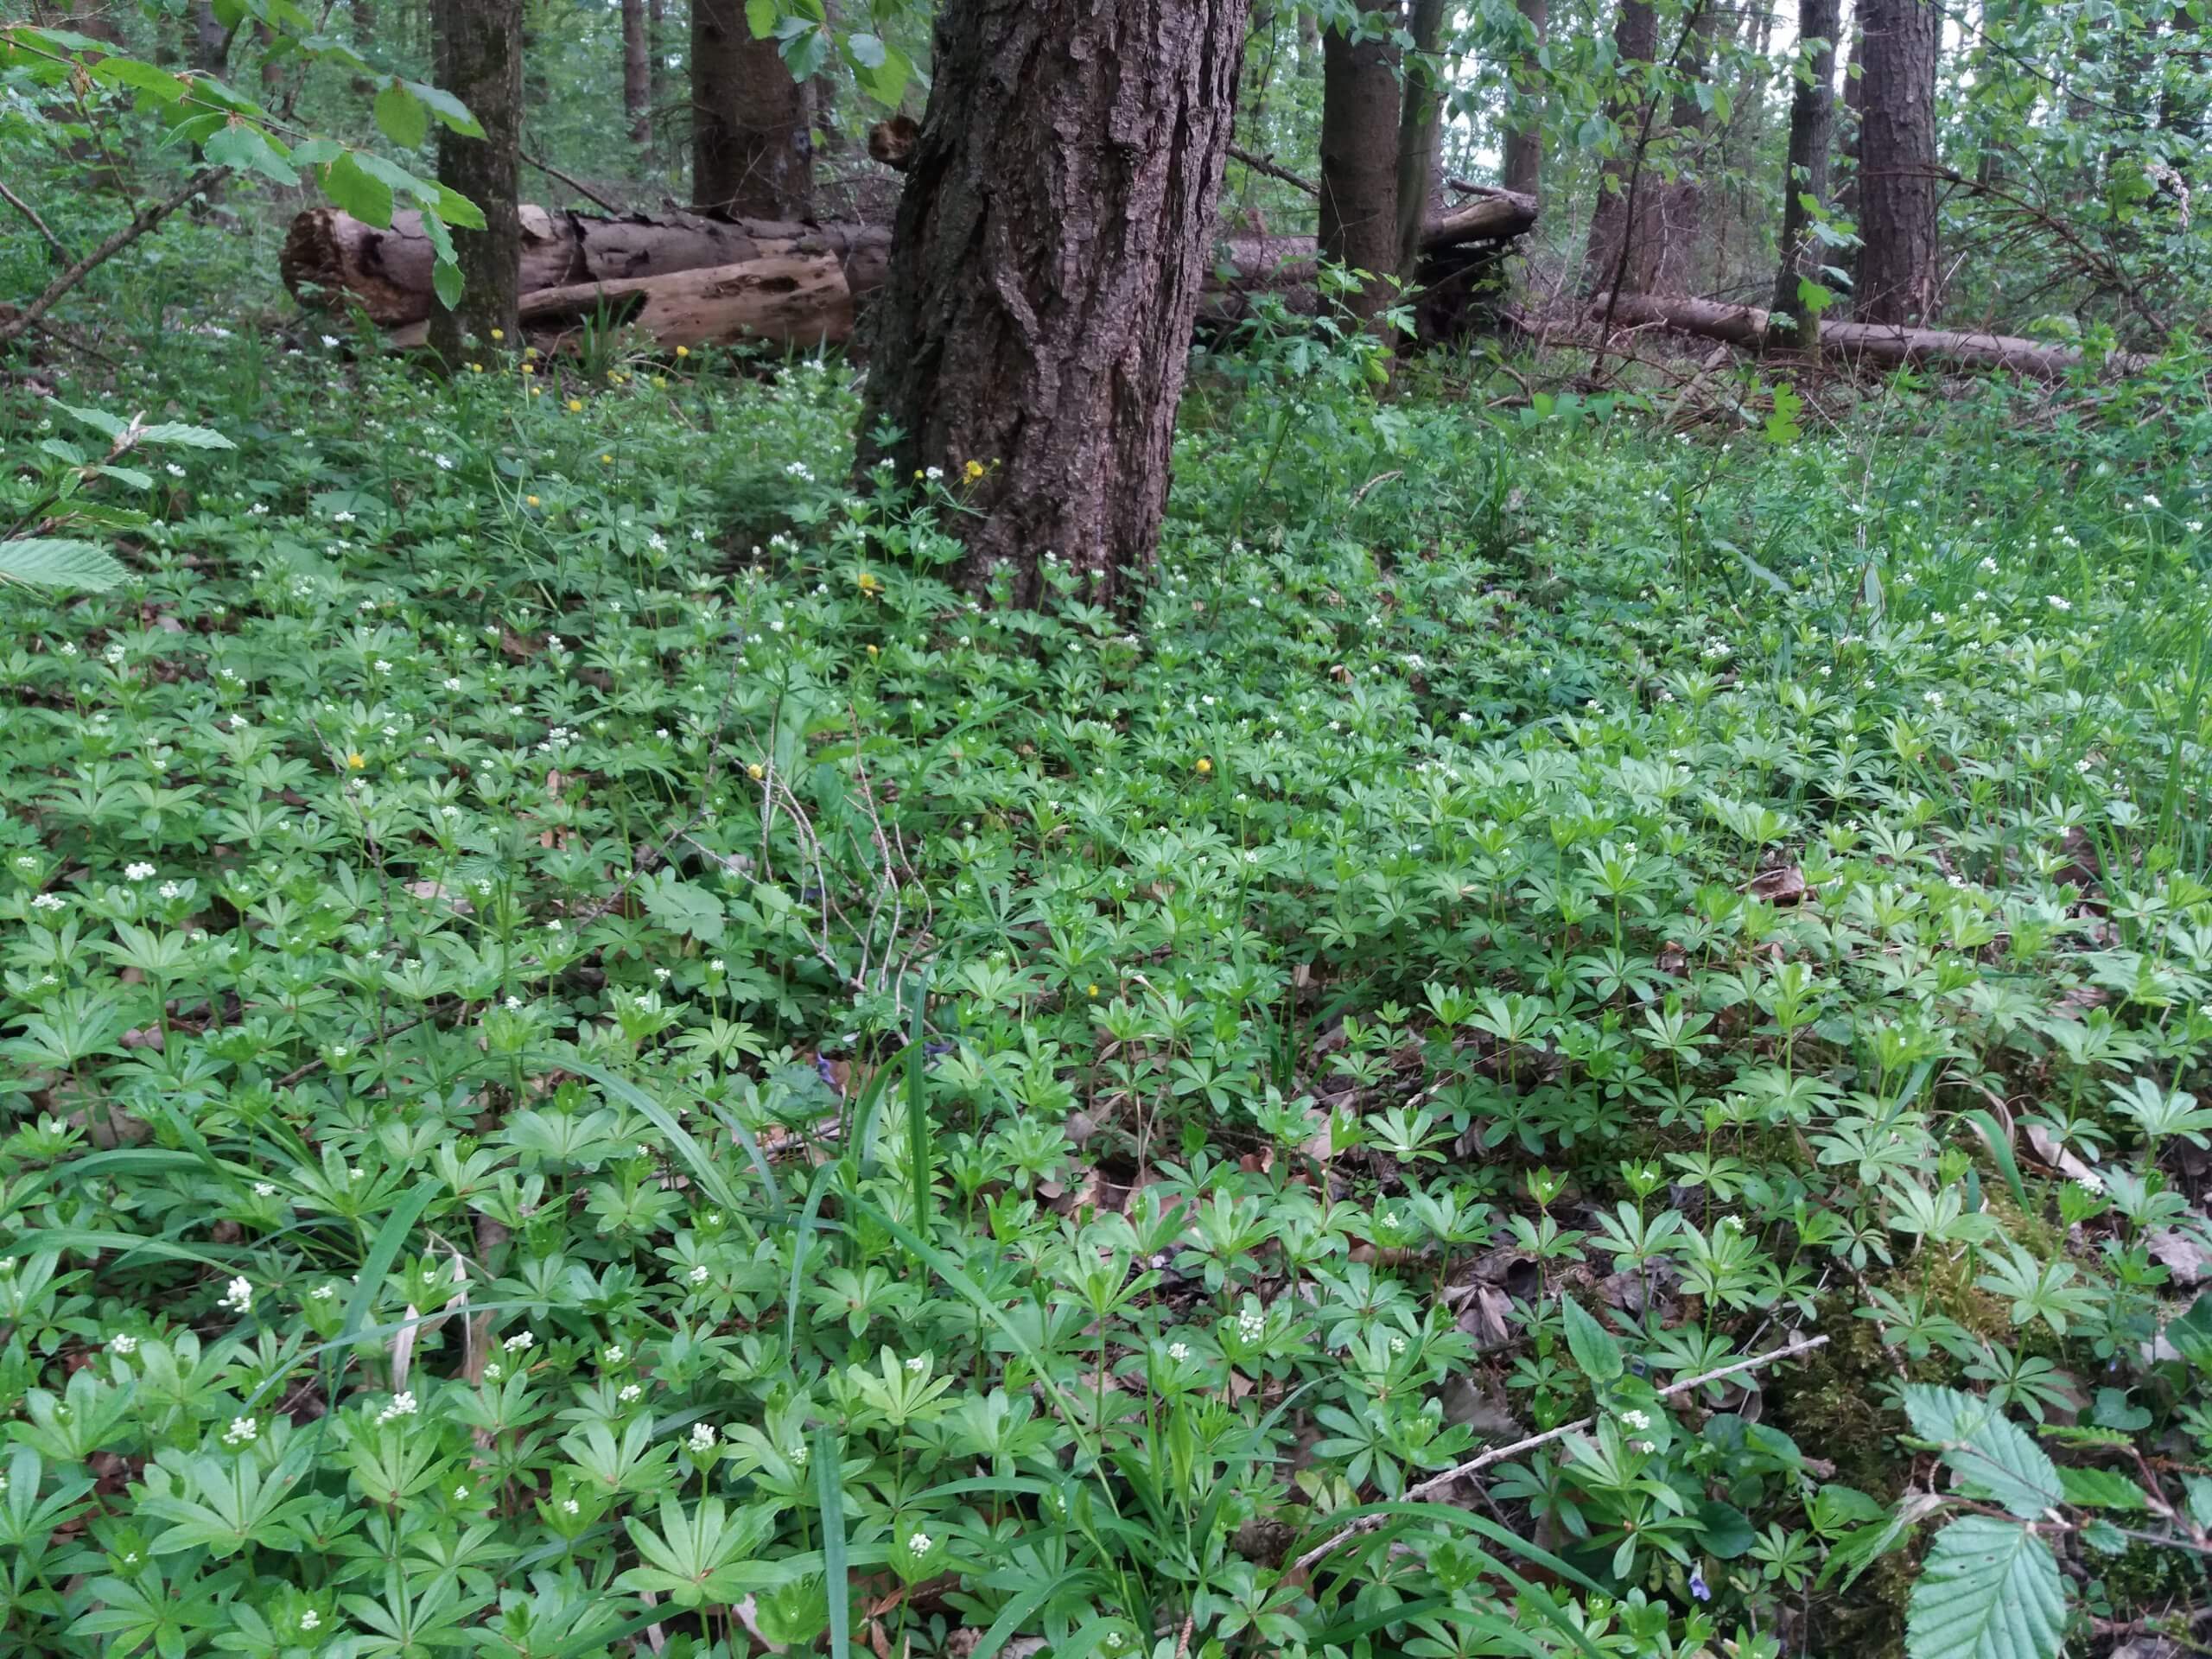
{"x":1636,"y":43}
{"x":479,"y":61}
{"x":751,"y":154}
{"x":1896,"y":153}
{"x":1421,"y":132}
{"x":1884,"y":345}
{"x":636,"y":73}
{"x":1812,"y":131}
{"x":334,"y":260}
{"x":1359,"y":162}
{"x":1524,"y":169}
{"x":1053,"y":238}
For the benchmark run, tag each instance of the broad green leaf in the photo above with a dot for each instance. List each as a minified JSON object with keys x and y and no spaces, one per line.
{"x":402,"y":116}
{"x":245,"y":149}
{"x":187,"y":437}
{"x":1992,"y":1455}
{"x":1988,"y":1590}
{"x":761,"y":18}
{"x":107,"y":425}
{"x":367,"y":199}
{"x":45,"y":561}
{"x":1597,"y":1355}
{"x":140,"y":77}
{"x":457,"y":209}
{"x":450,"y":111}
{"x":2101,"y":1488}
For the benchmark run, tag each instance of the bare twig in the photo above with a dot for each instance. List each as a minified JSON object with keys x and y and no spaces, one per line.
{"x":148,"y":219}
{"x":31,"y":213}
{"x":1274,"y":169}
{"x":576,"y":184}
{"x":1428,"y":1488}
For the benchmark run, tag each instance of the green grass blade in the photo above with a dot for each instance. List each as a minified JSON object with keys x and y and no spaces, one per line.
{"x":2000,"y":1150}
{"x":919,"y":1139}
{"x":383,"y":1250}
{"x":710,"y":1179}
{"x":830,"y":1484}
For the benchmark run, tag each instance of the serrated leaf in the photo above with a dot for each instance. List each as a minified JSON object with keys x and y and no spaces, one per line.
{"x":46,"y":561}
{"x":1993,"y":1457}
{"x":107,"y":425}
{"x":189,"y":437}
{"x":140,"y":77}
{"x":1988,"y":1590}
{"x":367,"y":199}
{"x":402,"y":116}
{"x":2101,"y":1488}
{"x":245,"y":149}
{"x":450,"y":111}
{"x":458,"y":210}
{"x":130,"y":475}
{"x":1597,"y":1355}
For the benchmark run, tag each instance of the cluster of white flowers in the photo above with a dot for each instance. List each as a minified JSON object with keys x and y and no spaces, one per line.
{"x":1251,"y":1324}
{"x":702,"y":1438}
{"x":403,"y":1405}
{"x":242,"y":1431}
{"x":238,"y":1296}
{"x":521,"y":1342}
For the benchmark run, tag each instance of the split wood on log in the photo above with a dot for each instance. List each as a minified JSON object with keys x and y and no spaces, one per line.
{"x":334,"y":259}
{"x":1887,"y":343}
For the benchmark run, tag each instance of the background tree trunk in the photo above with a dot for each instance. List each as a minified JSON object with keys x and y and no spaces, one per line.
{"x":751,"y":154}
{"x":636,"y":73}
{"x":1635,"y":42}
{"x":1420,"y":131}
{"x":1896,"y":156}
{"x":1359,"y":162}
{"x":1670,"y":237}
{"x":479,"y":53}
{"x":1812,"y":131}
{"x":1523,"y":168}
{"x":1851,"y":120}
{"x":1309,"y":44}
{"x":211,"y":40}
{"x":1053,"y":238}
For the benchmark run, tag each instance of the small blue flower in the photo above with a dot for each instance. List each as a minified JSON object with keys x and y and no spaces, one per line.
{"x":1699,"y":1587}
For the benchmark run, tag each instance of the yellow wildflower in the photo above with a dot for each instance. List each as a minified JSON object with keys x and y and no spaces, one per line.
{"x":575,"y":405}
{"x":498,"y":334}
{"x":1204,"y":765}
{"x":355,"y":760}
{"x":972,"y":471}
{"x":754,"y":772}
{"x":530,"y":500}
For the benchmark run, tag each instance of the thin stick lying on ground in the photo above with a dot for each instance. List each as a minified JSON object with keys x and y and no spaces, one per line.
{"x":1428,"y":1488}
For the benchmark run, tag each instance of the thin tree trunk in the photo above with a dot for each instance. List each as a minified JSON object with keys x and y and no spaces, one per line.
{"x":636,"y":73}
{"x":1309,"y":44}
{"x":1420,"y":121}
{"x":1851,"y":121}
{"x":1669,"y":237}
{"x":751,"y":154}
{"x":1896,"y":150}
{"x":1359,"y":162}
{"x":479,"y":61}
{"x":1812,"y":132}
{"x":657,"y":67}
{"x":1053,"y":238}
{"x":1635,"y":42}
{"x":1524,"y":169}
{"x":211,"y":40}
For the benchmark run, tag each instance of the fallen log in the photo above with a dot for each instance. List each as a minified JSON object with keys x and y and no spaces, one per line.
{"x":801,"y":300}
{"x":1884,"y":344}
{"x":332,"y":259}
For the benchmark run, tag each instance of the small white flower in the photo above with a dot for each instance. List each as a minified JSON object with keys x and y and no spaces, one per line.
{"x":172,"y":890}
{"x":613,"y":1354}
{"x":921,"y":1543}
{"x":918,"y":1364}
{"x":702,"y":1437}
{"x":445,"y":462}
{"x":453,"y":682}
{"x":239,"y":1295}
{"x":629,"y":1394}
{"x":569,"y":1506}
{"x":173,"y":470}
{"x":311,"y":1619}
{"x":48,"y":901}
{"x":137,"y":872}
{"x":698,"y":1275}
{"x":264,"y":1190}
{"x":241,"y":1432}
{"x":124,"y":1345}
{"x":521,"y":1342}
{"x":1178,"y":1351}
{"x":1635,"y":1420}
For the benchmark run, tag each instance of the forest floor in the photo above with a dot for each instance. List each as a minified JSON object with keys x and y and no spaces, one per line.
{"x":1042,"y":1118}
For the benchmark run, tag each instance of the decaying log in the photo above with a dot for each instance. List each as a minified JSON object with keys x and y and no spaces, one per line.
{"x":1884,"y":344}
{"x":801,"y":300}
{"x":689,"y":279}
{"x":333,"y":259}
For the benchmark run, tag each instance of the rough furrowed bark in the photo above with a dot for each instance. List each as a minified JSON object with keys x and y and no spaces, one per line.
{"x":1884,"y":345}
{"x":1053,"y":239}
{"x":334,"y":261}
